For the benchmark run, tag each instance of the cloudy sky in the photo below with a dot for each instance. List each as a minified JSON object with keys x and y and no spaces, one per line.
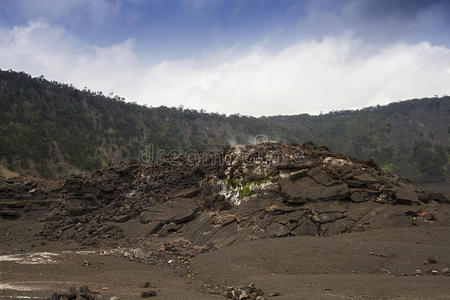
{"x":254,"y":57}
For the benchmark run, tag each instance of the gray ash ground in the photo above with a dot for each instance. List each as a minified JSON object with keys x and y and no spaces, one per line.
{"x":184,"y":213}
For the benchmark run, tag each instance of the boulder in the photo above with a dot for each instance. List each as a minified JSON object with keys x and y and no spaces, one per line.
{"x":306,"y":189}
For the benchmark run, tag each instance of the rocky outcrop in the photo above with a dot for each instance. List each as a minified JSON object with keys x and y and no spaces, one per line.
{"x":27,"y":197}
{"x":241,"y":193}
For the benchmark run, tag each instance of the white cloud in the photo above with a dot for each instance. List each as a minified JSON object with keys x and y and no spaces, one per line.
{"x":41,"y":49}
{"x":309,"y":76}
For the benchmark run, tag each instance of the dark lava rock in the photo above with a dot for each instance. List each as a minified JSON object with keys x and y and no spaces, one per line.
{"x":9,"y":214}
{"x":431,"y":260}
{"x":307,"y":189}
{"x":148,"y":294}
{"x":121,"y":219}
{"x":83,"y":293}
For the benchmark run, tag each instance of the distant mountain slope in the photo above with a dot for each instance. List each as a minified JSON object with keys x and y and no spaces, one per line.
{"x":52,"y":129}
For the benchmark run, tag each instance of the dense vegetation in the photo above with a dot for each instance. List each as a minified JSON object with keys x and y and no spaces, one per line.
{"x":52,"y":129}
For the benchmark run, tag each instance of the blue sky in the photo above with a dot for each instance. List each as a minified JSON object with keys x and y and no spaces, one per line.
{"x":248,"y":56}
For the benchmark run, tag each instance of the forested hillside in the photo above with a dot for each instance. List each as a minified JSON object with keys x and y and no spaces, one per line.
{"x":52,"y":129}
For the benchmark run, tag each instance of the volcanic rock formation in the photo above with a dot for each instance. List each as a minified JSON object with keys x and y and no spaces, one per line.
{"x":242,"y":193}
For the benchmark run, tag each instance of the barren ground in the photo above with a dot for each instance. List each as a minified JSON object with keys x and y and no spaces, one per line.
{"x":379,"y":264}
